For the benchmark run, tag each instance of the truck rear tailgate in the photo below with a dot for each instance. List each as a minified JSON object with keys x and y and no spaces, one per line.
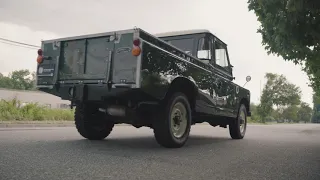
{"x":85,"y":58}
{"x":105,"y":57}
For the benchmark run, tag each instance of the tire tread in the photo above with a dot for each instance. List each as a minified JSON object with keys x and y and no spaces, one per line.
{"x":84,"y":122}
{"x":161,"y":126}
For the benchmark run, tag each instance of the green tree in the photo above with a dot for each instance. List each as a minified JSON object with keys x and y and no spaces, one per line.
{"x":264,"y":109}
{"x":316,"y":117}
{"x":304,"y":112}
{"x":20,"y":79}
{"x":279,"y":92}
{"x":254,"y":114}
{"x":290,"y":29}
{"x":5,"y":82}
{"x":290,"y":113}
{"x":316,"y":109}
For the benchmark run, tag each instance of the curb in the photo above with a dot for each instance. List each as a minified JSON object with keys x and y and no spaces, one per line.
{"x":34,"y":125}
{"x":64,"y":124}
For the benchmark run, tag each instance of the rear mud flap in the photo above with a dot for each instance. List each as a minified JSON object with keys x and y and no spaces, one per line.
{"x":80,"y":92}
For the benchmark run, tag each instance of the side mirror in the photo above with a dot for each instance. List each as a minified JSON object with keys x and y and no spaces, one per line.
{"x":248,"y":78}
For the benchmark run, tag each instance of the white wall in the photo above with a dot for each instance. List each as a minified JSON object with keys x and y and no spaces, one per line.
{"x":33,"y":96}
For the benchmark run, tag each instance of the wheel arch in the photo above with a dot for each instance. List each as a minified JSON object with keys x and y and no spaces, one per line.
{"x":246,"y":103}
{"x":186,"y":86}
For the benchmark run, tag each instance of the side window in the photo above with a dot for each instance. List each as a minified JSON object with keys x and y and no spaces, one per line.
{"x":204,"y":49}
{"x":185,"y":44}
{"x":221,"y":55}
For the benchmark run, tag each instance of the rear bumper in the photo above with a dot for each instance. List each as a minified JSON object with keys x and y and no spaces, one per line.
{"x":92,"y":92}
{"x":98,"y":92}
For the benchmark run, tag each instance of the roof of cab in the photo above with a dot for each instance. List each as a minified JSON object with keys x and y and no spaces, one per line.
{"x":184,"y":32}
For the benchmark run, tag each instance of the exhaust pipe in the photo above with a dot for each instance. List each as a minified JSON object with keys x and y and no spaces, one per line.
{"x":116,"y":111}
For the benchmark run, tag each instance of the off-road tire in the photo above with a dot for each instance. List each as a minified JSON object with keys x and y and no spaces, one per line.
{"x":91,"y":123}
{"x":162,"y":128}
{"x":234,"y":127}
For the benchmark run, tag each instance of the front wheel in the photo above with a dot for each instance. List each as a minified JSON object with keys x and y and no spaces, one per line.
{"x":173,"y":122}
{"x":238,"y":127}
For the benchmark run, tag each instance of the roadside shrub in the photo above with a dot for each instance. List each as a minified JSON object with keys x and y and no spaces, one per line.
{"x":14,"y":110}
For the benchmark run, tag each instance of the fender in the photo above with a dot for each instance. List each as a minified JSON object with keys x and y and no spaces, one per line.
{"x":160,"y":85}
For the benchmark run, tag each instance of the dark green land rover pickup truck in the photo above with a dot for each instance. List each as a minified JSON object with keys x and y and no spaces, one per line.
{"x":167,"y":82}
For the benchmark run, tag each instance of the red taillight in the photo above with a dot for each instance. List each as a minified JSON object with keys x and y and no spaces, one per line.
{"x":40,"y":59}
{"x":40,"y":52}
{"x":136,"y":49}
{"x":136,"y":42}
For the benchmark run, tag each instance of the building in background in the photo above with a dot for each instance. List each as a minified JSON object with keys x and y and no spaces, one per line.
{"x":41,"y":98}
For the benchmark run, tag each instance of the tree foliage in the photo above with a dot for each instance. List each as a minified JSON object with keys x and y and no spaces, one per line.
{"x":20,"y":79}
{"x":304,"y":112}
{"x":291,"y":29}
{"x":290,"y":113}
{"x":254,"y":115}
{"x":278,"y":91}
{"x":316,"y":109}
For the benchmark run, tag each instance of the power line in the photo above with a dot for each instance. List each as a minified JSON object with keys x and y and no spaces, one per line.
{"x":21,"y":43}
{"x":18,"y":45}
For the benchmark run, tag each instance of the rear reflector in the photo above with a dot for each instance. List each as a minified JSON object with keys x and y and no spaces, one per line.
{"x":136,"y":51}
{"x":40,"y":59}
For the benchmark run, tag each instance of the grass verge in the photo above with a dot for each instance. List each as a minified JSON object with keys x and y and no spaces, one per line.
{"x":14,"y":110}
{"x":36,"y":122}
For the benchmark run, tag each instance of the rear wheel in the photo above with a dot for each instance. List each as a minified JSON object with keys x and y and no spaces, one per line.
{"x":173,"y":122}
{"x":91,"y":123}
{"x":238,"y":127}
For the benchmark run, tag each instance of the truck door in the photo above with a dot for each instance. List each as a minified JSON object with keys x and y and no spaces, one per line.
{"x":223,"y":85}
{"x":204,"y":53}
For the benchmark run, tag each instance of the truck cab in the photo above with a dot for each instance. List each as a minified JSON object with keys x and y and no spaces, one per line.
{"x":203,"y":45}
{"x":213,"y":52}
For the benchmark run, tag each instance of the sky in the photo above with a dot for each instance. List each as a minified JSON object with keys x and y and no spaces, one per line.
{"x":31,"y":21}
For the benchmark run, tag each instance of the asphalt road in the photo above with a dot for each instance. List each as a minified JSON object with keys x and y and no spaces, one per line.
{"x":289,"y":152}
